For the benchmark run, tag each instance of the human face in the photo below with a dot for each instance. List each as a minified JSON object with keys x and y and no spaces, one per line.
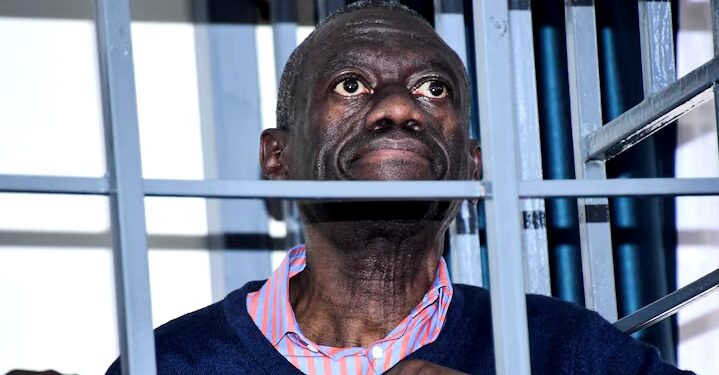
{"x":383,"y":98}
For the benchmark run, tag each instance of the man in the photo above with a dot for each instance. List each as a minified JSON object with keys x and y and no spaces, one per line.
{"x":375,"y":94}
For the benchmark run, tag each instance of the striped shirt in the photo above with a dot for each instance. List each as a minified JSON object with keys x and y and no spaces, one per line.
{"x":271,"y":311}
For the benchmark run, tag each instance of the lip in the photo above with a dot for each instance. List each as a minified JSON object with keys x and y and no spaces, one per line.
{"x":393,"y":147}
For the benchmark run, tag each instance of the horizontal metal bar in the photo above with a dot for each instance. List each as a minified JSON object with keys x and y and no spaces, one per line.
{"x":668,"y":305}
{"x":360,"y":190}
{"x":653,"y":113}
{"x":53,"y":185}
{"x":326,"y":190}
{"x":624,"y":187}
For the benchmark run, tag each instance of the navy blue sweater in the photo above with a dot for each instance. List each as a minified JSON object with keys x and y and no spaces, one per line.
{"x":564,"y":339}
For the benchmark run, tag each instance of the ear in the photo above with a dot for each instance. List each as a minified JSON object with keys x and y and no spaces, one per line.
{"x":475,"y":153}
{"x":273,"y":155}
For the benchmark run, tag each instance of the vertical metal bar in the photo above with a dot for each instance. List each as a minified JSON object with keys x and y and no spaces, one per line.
{"x":657,"y":42}
{"x":284,"y":35}
{"x":584,"y":89}
{"x":466,"y":257}
{"x":534,"y":234}
{"x":231,"y":125}
{"x":122,"y":144}
{"x":715,"y":39}
{"x":495,"y":98}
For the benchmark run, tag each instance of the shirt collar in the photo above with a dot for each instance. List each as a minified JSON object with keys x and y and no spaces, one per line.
{"x":277,"y":287}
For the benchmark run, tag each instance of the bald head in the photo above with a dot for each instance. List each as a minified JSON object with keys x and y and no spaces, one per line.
{"x":289,"y":99}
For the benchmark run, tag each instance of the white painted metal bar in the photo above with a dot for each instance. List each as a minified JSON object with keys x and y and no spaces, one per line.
{"x":501,"y":168}
{"x":54,"y":185}
{"x":653,"y":113}
{"x":284,"y":36}
{"x":365,"y":190}
{"x":466,"y":257}
{"x":669,"y":304}
{"x":584,"y":89}
{"x":122,"y":145}
{"x":625,"y":187}
{"x":326,"y":190}
{"x":714,"y":7}
{"x":231,"y":125}
{"x":534,"y":233}
{"x":657,"y":44}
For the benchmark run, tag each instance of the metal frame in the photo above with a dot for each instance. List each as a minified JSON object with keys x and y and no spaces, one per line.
{"x":534,"y":233}
{"x":670,"y":304}
{"x":465,"y":259}
{"x":653,"y":113}
{"x":231,"y":124}
{"x":502,"y":188}
{"x":364,"y":190}
{"x":284,"y":38}
{"x":501,"y":169}
{"x":584,"y":90}
{"x":127,"y":206}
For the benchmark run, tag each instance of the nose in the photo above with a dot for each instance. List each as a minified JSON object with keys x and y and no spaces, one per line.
{"x":395,"y":106}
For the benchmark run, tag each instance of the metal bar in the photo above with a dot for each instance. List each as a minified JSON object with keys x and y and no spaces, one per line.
{"x":466,"y":257}
{"x":284,"y":34}
{"x":657,"y":44}
{"x":653,"y":113}
{"x":366,"y":190}
{"x":584,"y":89}
{"x":231,"y":125}
{"x":327,"y":190}
{"x":534,"y":234}
{"x":54,"y":185}
{"x":629,"y":187}
{"x":669,"y":305}
{"x":122,"y":145}
{"x":714,"y":7}
{"x":495,"y":98}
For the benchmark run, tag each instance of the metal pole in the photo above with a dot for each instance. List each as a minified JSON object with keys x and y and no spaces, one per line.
{"x":137,"y":345}
{"x":284,"y":34}
{"x":715,"y":41}
{"x":231,"y":125}
{"x":534,"y":235}
{"x":495,"y":98}
{"x":666,"y":306}
{"x":653,"y":113}
{"x":584,"y":89}
{"x":466,"y":258}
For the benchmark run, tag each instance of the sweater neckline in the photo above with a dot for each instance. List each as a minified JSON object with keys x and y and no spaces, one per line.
{"x":271,"y":361}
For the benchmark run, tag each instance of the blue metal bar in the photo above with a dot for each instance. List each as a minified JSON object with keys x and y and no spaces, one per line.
{"x":137,"y":345}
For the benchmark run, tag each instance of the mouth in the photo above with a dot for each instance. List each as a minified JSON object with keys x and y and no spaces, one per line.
{"x":392,"y":148}
{"x":392,"y":157}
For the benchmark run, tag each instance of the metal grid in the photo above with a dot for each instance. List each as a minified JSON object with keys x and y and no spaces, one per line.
{"x":502,"y":187}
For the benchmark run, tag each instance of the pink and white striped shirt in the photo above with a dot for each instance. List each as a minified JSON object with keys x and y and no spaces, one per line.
{"x":271,"y":311}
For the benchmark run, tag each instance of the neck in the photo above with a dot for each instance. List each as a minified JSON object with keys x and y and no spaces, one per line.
{"x":363,"y":278}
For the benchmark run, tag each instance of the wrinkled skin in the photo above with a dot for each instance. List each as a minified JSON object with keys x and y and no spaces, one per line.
{"x":381,"y":97}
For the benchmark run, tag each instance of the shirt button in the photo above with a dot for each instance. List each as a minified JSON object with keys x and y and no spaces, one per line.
{"x":377,"y":352}
{"x":312,"y":348}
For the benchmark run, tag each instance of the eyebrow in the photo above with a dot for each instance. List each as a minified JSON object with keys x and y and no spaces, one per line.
{"x":441,"y":65}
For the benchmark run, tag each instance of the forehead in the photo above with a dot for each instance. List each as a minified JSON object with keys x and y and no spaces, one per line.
{"x":380,"y":34}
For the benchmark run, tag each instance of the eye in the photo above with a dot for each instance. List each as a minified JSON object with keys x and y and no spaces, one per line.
{"x":432,"y":89}
{"x":351,"y":86}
